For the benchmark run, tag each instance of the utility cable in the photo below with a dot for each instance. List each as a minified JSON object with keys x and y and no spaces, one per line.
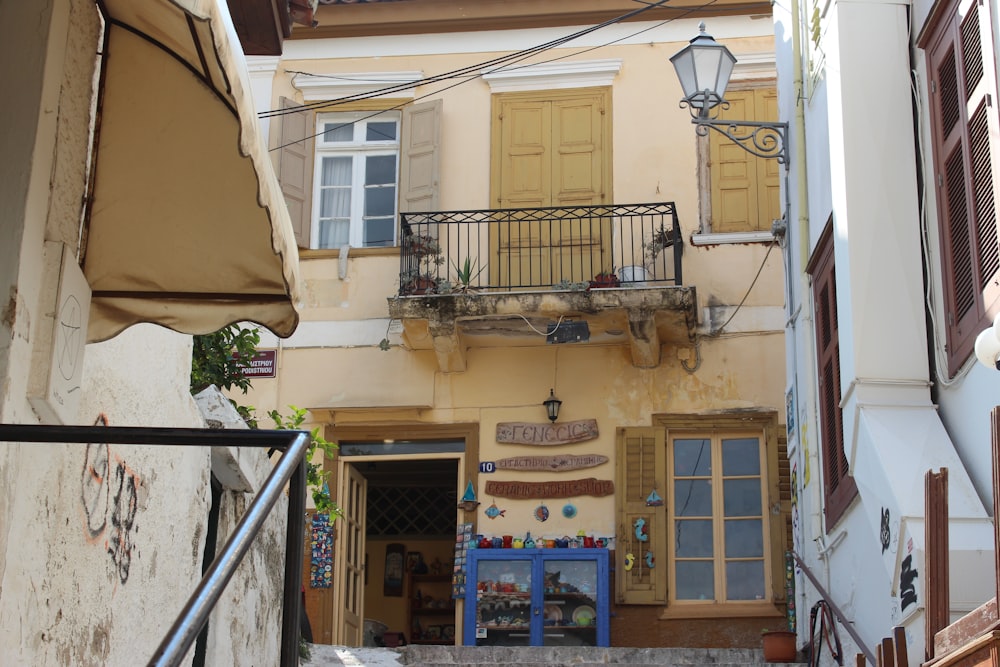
{"x":464,"y":71}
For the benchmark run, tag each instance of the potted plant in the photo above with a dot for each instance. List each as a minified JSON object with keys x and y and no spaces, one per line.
{"x":778,"y":645}
{"x":662,"y":238}
{"x":422,"y":253}
{"x":415,"y":282}
{"x":605,"y":279}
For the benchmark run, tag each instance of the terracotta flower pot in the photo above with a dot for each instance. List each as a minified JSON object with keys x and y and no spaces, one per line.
{"x":779,"y":646}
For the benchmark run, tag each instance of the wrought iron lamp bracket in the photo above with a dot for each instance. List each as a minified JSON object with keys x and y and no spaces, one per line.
{"x":763,"y":139}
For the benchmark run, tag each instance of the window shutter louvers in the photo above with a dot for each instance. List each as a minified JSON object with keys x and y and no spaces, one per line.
{"x":839,"y":487}
{"x":964,"y":121}
{"x":641,"y":468}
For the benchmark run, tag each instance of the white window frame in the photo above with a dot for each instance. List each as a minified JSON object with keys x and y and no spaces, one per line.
{"x":357,"y":147}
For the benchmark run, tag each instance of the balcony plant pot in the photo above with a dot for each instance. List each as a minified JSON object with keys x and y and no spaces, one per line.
{"x":421,"y":285}
{"x":605,"y":279}
{"x":779,"y":645}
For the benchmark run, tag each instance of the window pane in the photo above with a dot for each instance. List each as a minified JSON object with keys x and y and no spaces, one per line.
{"x":744,"y":538}
{"x":380,"y":170}
{"x":692,"y":457}
{"x":333,"y":233}
{"x":336,"y":171}
{"x":693,"y":539}
{"x":338,"y":131}
{"x":693,"y":497}
{"x":741,"y":497}
{"x":695,"y":580}
{"x":745,"y":580}
{"x":380,"y":201}
{"x":381,"y":131}
{"x":740,"y":456}
{"x":335,"y":203}
{"x":379,"y":231}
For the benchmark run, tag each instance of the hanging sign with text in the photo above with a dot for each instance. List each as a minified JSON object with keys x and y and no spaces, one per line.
{"x":564,"y":489}
{"x":261,"y":365}
{"x":521,"y":433}
{"x":554,"y":463}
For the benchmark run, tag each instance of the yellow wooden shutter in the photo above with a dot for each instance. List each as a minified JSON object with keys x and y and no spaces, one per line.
{"x":578,"y":158}
{"x":746,"y":191}
{"x":526,"y":147}
{"x":552,"y":148}
{"x":641,"y":469}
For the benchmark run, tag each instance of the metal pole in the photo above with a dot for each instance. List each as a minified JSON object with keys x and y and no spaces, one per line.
{"x":294,"y":537}
{"x":195,"y":614}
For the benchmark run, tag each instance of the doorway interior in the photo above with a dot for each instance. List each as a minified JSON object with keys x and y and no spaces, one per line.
{"x":400,"y":514}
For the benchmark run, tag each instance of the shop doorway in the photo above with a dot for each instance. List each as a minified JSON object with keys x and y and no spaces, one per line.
{"x":400,"y":513}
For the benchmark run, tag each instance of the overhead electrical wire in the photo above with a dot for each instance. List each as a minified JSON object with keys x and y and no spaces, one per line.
{"x":463,"y":71}
{"x":470,"y":72}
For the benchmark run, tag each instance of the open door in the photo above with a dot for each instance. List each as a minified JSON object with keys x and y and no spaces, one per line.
{"x":352,"y":498}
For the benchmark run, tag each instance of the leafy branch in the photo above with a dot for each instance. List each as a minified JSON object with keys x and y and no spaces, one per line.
{"x":221,"y":359}
{"x":316,"y":476}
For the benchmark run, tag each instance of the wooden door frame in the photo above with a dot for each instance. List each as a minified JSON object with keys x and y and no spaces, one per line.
{"x":468,"y":470}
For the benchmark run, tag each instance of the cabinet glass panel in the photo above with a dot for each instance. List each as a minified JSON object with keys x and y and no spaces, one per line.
{"x":503,"y":610}
{"x":570,"y":603}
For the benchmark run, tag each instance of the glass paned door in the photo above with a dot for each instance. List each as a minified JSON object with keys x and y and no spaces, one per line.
{"x":503,"y":603}
{"x":570,"y":603}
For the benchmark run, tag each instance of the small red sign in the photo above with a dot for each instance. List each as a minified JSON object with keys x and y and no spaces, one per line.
{"x":262,"y":365}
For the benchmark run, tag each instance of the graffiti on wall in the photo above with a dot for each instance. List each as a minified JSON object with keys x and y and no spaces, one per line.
{"x":109,"y":497}
{"x":885,"y":533}
{"x":907,"y":583}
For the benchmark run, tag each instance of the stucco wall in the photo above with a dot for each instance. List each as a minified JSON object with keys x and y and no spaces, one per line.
{"x":100,"y":545}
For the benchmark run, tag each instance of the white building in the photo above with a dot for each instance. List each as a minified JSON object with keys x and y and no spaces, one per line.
{"x":891,"y":255}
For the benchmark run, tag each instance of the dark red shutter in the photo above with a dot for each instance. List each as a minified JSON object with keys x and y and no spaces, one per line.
{"x":839,"y":487}
{"x":964,"y":123}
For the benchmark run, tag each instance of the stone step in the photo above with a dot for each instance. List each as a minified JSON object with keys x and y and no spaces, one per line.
{"x":540,"y":656}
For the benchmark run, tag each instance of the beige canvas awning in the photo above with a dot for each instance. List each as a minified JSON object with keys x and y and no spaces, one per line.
{"x":187,"y":226}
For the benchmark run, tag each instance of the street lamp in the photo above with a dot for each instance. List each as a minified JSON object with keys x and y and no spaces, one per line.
{"x":988,"y":345}
{"x":704,"y":67}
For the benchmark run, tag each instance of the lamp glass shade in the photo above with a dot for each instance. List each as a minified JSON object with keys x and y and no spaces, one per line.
{"x":703,"y":68}
{"x":552,"y":405}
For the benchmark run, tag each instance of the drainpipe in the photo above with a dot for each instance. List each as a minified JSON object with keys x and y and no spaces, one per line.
{"x":801,"y":318}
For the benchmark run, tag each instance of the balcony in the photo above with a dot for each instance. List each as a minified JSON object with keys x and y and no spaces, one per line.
{"x":533,"y":276}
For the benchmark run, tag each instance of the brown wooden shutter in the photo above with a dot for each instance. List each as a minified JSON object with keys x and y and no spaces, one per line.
{"x":641,"y":468}
{"x":295,"y":167}
{"x":839,"y":487}
{"x":419,"y":162}
{"x":965,"y":135}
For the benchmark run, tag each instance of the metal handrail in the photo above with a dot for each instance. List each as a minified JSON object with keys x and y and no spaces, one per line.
{"x":835,"y":609}
{"x":290,"y":469}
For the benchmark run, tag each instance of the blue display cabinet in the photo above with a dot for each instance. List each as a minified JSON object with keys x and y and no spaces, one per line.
{"x":536,"y":597}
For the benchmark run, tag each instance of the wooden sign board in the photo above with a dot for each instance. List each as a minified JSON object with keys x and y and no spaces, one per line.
{"x":567,"y":489}
{"x":522,"y":433}
{"x":555,"y":463}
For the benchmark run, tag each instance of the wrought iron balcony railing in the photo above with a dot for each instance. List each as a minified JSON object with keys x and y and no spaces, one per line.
{"x":557,"y":247}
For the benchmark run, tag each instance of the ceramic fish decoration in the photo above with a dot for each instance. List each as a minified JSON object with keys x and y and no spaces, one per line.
{"x":629,"y":562}
{"x":493,"y":511}
{"x":641,"y":531}
{"x":650,"y":560}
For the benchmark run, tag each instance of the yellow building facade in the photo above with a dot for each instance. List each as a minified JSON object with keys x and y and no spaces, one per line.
{"x":417,"y":142}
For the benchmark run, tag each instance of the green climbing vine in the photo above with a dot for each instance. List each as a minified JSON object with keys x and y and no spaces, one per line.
{"x":217,"y":358}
